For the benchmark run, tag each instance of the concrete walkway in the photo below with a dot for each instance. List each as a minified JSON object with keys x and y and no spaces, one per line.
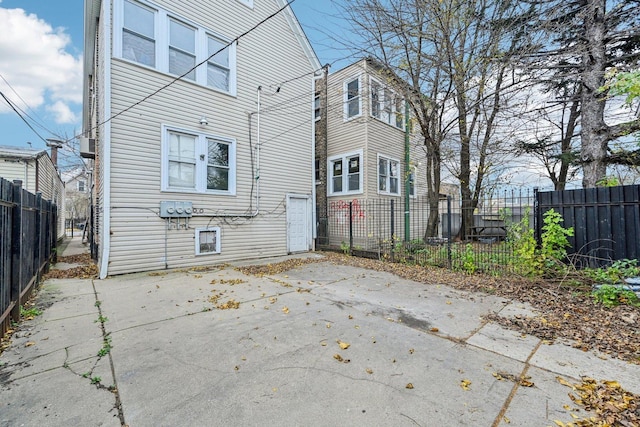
{"x":319,"y":345}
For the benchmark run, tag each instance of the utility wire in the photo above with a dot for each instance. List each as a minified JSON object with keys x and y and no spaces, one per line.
{"x":195,"y":66}
{"x":13,"y":107}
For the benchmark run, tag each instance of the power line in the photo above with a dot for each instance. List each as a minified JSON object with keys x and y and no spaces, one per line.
{"x":13,"y":107}
{"x":195,"y":66}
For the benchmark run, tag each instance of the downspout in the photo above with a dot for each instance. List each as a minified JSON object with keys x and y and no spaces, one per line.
{"x":407,"y":174}
{"x":106,"y":154}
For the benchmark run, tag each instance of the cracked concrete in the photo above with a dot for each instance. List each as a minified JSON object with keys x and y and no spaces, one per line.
{"x":177,"y":360}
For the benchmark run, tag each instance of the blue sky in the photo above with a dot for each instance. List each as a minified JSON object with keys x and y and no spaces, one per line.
{"x":41,"y":63}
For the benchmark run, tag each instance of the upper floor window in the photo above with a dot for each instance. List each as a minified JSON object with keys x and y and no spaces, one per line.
{"x":138,"y":34}
{"x":81,"y":186}
{"x":388,"y":173}
{"x":158,"y":39}
{"x":352,"y":100}
{"x":195,"y":162}
{"x":386,"y":105}
{"x":345,"y":174}
{"x":182,"y":49}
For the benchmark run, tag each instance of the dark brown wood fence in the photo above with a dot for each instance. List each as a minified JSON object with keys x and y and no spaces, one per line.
{"x":28,"y":230}
{"x":606,"y":222}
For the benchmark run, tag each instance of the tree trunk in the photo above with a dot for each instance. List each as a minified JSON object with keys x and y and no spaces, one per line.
{"x":594,"y":132}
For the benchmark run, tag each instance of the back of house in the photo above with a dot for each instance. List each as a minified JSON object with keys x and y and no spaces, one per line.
{"x":200,"y":115}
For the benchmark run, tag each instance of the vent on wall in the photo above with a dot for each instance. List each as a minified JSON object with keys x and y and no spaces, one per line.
{"x":87,"y":148}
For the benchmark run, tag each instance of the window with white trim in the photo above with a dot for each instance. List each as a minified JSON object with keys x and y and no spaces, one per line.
{"x":159,"y":39}
{"x":388,"y":176}
{"x":182,"y":49}
{"x":138,"y":33}
{"x":386,"y":105}
{"x":81,"y":186}
{"x":352,"y":99}
{"x":345,"y":174}
{"x":198,"y":163}
{"x":207,"y":241}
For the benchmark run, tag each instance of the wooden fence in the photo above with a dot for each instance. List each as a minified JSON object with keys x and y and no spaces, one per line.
{"x":28,"y":230}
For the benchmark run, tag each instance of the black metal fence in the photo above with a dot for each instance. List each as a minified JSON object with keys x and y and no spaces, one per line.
{"x":28,"y":230}
{"x":606,"y":223}
{"x":385,"y":229}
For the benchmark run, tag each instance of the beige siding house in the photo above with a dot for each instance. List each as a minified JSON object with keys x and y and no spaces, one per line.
{"x":362,"y":123}
{"x":38,"y":174}
{"x":202,"y":118}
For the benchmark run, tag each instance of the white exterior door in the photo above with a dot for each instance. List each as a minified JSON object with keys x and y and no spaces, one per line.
{"x":298,"y":223}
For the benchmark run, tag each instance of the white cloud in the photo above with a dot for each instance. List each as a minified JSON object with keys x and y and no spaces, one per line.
{"x":62,"y":113}
{"x":35,"y":63}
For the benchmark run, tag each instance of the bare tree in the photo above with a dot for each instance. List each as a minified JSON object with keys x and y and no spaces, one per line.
{"x":456,"y":57}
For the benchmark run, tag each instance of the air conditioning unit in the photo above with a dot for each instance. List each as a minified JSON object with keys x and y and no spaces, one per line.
{"x":87,"y":148}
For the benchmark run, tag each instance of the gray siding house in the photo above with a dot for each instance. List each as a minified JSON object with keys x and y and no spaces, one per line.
{"x":38,"y":174}
{"x":199,"y":116}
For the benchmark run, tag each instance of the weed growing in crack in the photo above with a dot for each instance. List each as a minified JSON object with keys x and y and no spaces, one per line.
{"x":106,"y":346}
{"x":96,"y":380}
{"x":101,"y":319}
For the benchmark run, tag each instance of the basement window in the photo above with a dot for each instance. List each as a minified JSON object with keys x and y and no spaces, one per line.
{"x":207,"y":241}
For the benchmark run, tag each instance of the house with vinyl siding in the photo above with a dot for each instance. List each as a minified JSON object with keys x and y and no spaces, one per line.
{"x":364,"y":160}
{"x":38,"y":172}
{"x":199,"y":118}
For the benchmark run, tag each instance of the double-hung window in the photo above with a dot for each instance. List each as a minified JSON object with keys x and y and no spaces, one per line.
{"x":218,"y":66}
{"x":182,"y":49}
{"x":352,"y":99}
{"x":345,"y":174}
{"x":386,"y":105}
{"x":388,"y":174}
{"x":138,"y":34}
{"x":197,"y":163}
{"x":168,"y":43}
{"x":81,"y":186}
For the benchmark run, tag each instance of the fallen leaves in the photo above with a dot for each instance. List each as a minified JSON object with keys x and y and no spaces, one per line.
{"x":341,"y":359}
{"x":230,"y":282}
{"x":409,"y":386}
{"x":465,"y":385}
{"x":343,"y":345}
{"x":277,"y":268}
{"x":522,"y":380}
{"x":611,"y":404}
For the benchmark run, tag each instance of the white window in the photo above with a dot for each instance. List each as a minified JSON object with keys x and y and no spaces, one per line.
{"x":197,"y":163}
{"x":345,"y":174}
{"x":170,"y":44}
{"x":352,"y":99}
{"x":138,"y":34}
{"x":207,"y":241}
{"x":81,"y":186}
{"x":388,"y":176}
{"x":317,"y":112}
{"x":386,"y":105}
{"x":218,"y":66}
{"x":182,"y":49}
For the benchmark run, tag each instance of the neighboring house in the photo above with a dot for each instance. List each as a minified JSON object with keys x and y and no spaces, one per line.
{"x":187,"y":173}
{"x":361,"y":157}
{"x":77,"y":200}
{"x":38,"y":173}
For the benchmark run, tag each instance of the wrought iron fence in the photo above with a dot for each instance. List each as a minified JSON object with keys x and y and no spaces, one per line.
{"x":28,"y":237}
{"x":477,"y":238}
